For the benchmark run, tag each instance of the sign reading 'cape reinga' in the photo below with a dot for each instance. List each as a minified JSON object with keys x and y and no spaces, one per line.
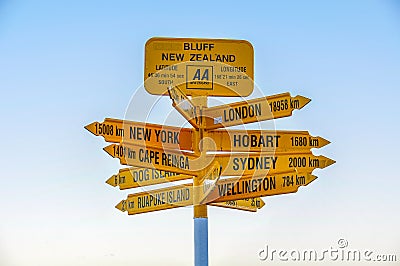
{"x":213,"y":67}
{"x":233,"y":164}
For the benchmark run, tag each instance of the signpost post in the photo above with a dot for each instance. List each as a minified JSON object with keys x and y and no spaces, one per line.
{"x":228,"y":168}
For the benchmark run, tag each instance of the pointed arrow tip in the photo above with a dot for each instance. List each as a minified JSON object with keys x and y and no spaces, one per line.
{"x":262,"y":203}
{"x":92,"y":128}
{"x":322,"y":142}
{"x":121,"y":206}
{"x":311,"y":178}
{"x":112,"y":180}
{"x":329,"y":162}
{"x":109,"y":149}
{"x":303,"y":101}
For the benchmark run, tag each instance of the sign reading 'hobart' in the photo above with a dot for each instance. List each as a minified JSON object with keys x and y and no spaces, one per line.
{"x":212,"y":67}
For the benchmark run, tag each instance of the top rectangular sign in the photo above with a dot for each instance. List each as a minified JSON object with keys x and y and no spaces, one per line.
{"x":211,"y":67}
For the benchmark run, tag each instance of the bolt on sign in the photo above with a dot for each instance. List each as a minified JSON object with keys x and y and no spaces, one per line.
{"x":211,"y":67}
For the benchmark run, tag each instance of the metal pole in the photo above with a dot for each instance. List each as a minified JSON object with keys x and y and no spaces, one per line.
{"x":200,"y":211}
{"x":200,"y":241}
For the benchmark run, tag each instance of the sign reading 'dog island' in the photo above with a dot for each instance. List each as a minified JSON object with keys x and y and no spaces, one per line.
{"x":209,"y":67}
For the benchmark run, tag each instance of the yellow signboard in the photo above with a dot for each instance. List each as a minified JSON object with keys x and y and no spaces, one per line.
{"x":264,"y":140}
{"x":254,"y":110}
{"x":145,"y":134}
{"x":237,"y":164}
{"x":213,"y":67}
{"x":251,"y":204}
{"x":184,"y":106}
{"x":234,"y":164}
{"x":147,"y":157}
{"x":230,"y":189}
{"x":174,"y":197}
{"x":134,"y":177}
{"x":156,"y":200}
{"x":250,"y":187}
{"x":208,"y":181}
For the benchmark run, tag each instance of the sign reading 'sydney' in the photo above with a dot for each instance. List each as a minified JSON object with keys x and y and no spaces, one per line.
{"x":213,"y":67}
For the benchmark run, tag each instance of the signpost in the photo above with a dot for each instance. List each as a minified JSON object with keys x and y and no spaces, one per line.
{"x":228,"y":168}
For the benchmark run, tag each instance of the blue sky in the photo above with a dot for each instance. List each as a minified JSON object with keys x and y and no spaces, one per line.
{"x":65,"y":64}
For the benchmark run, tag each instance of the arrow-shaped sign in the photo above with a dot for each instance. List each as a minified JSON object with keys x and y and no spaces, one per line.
{"x":147,"y":157}
{"x":237,"y":164}
{"x":159,"y":136}
{"x":227,"y":190}
{"x":250,"y":187}
{"x":208,"y":181}
{"x":174,"y":197}
{"x":185,"y":106}
{"x":145,"y":134}
{"x":252,"y":204}
{"x":233,"y":164}
{"x":134,"y":177}
{"x":254,"y":110}
{"x":156,"y":200}
{"x":263,"y":140}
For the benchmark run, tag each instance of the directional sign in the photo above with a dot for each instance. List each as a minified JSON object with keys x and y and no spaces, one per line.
{"x":251,"y":205}
{"x":214,"y":67}
{"x":209,"y":180}
{"x":146,"y":134}
{"x":159,"y":199}
{"x":174,"y":197}
{"x":227,"y":190}
{"x":237,"y":164}
{"x":254,"y":110}
{"x":134,"y":177}
{"x":264,"y":140}
{"x":147,"y":157}
{"x":250,"y":187}
{"x":234,"y":164}
{"x":184,"y":106}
